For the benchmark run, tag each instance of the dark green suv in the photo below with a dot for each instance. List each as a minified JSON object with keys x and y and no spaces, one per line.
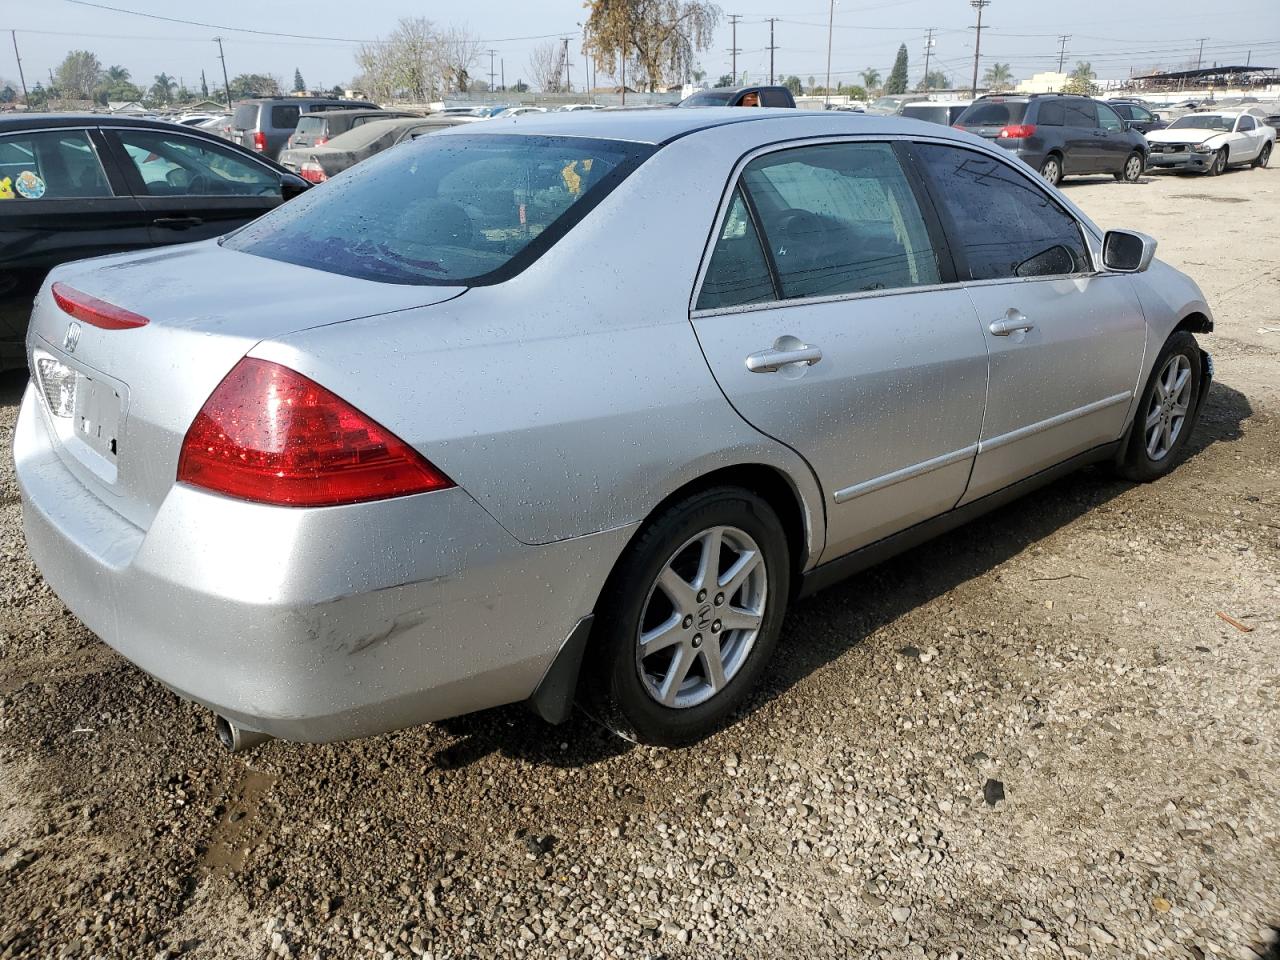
{"x":1059,"y":134}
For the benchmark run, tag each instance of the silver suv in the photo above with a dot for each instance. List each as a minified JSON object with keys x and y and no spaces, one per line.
{"x":265,"y":125}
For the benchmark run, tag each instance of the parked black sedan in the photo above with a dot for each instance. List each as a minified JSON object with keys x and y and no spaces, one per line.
{"x":80,"y":185}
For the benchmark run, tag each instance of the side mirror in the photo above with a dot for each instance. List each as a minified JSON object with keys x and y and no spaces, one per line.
{"x":291,"y":186}
{"x":1127,"y":251}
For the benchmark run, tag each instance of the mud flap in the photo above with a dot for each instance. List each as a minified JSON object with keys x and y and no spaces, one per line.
{"x":552,"y":700}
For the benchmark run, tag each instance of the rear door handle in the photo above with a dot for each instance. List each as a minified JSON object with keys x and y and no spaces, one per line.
{"x":1011,"y":322}
{"x":785,"y":351}
{"x":178,"y":223}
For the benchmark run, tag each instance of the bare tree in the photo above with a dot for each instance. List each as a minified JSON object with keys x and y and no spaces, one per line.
{"x":457,"y":51}
{"x":659,"y":39}
{"x":546,"y":68}
{"x":407,"y":63}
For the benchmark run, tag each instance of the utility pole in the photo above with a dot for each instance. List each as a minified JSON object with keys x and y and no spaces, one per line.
{"x":831,"y":21}
{"x":226,"y":84}
{"x":928,"y":49}
{"x":977,"y":45}
{"x":733,"y":47}
{"x":492,"y":53}
{"x":568,"y":66}
{"x":204,"y":85}
{"x":1062,"y":50}
{"x":772,"y":47}
{"x":502,"y":67}
{"x":1200,"y":55}
{"x":21,"y":76}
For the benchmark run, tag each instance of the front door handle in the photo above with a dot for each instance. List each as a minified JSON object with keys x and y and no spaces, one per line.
{"x":784,"y":352}
{"x":178,"y":223}
{"x":1011,"y":322}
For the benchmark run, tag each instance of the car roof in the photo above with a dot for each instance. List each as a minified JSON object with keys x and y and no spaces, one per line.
{"x":31,"y":121}
{"x":661,"y":125}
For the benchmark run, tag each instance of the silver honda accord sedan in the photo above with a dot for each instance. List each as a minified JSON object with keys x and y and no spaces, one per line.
{"x":570,"y":408}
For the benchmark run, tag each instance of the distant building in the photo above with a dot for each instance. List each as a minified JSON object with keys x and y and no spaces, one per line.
{"x":127,"y":108}
{"x":1048,"y":82}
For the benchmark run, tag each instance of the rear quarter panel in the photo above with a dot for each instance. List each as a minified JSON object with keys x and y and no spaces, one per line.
{"x":574,"y":397}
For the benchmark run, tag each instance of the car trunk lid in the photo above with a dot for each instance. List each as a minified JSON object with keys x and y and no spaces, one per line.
{"x":119,"y":401}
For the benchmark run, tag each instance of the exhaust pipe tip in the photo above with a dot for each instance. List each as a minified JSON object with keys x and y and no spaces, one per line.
{"x":235,"y":738}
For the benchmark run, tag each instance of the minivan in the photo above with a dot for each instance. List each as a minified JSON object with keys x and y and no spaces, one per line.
{"x":266,"y":124}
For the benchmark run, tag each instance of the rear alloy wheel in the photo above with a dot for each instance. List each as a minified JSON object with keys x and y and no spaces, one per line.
{"x":1219,"y":163}
{"x":1166,"y":411}
{"x":1051,"y":169}
{"x":1264,"y":156}
{"x":689,"y":619}
{"x":1132,"y":170}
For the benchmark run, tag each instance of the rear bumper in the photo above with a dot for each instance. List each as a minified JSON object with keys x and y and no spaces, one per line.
{"x":317,"y":625}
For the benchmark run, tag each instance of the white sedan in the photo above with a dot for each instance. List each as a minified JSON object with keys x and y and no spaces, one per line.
{"x":1211,"y":142}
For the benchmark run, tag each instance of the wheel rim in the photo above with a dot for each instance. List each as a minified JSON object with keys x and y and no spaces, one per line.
{"x":1167,"y":413}
{"x":1050,"y":171}
{"x":1133,"y":169}
{"x":701,"y":618}
{"x":1266,"y":155}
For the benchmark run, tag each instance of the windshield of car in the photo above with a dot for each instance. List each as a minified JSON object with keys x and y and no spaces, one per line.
{"x":993,"y":113}
{"x":886,"y":103}
{"x":447,"y":210}
{"x":310,"y":125}
{"x":1203,"y":121}
{"x":709,"y":98}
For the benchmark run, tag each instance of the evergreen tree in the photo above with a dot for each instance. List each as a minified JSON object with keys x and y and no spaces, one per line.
{"x":298,"y":85}
{"x":897,"y":82}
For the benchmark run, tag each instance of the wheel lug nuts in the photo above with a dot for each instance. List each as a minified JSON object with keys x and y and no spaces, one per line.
{"x":702,"y":595}
{"x":715,"y":627}
{"x":697,"y":639}
{"x":719,"y":599}
{"x":688,"y":621}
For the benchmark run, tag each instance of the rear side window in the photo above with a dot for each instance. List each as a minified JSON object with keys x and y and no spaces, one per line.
{"x":1004,"y":224}
{"x":284,"y":118}
{"x":840,"y":218}
{"x":1050,"y":114}
{"x":245,"y":117}
{"x":54,"y":165}
{"x":738,"y":272}
{"x":993,"y":114}
{"x":447,"y":210}
{"x":1079,"y":113}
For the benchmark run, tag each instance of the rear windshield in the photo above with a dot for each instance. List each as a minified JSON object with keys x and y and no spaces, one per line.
{"x":447,"y":210}
{"x":989,"y":114}
{"x":311,"y":125}
{"x":932,"y":113}
{"x":246,"y":117}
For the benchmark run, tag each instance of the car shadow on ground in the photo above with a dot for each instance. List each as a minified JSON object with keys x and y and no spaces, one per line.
{"x":12,"y":383}
{"x":820,"y":629}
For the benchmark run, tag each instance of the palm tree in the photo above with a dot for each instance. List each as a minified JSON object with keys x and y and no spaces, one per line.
{"x":870,"y":78}
{"x":998,"y":77}
{"x":163,"y":88}
{"x":1081,"y":79}
{"x":116,"y":74}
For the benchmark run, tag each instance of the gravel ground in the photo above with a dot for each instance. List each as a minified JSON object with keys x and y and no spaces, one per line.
{"x":1033,"y":737}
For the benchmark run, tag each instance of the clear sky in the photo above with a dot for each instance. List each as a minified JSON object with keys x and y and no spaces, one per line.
{"x":1022,"y":33}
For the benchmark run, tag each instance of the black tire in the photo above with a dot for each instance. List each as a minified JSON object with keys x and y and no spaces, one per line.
{"x":1051,"y":169}
{"x":1132,"y":171}
{"x":1137,"y":462}
{"x":1219,"y":164}
{"x":1264,"y":156}
{"x":613,"y":688}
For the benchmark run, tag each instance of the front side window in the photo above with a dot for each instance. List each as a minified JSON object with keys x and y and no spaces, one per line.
{"x":738,"y":272}
{"x":53,"y":165}
{"x":1245,"y":123}
{"x":774,"y":98}
{"x":1003,"y":223}
{"x":445,"y":210}
{"x":185,"y":166}
{"x":840,"y":218}
{"x":1141,"y":115}
{"x":1107,"y":118}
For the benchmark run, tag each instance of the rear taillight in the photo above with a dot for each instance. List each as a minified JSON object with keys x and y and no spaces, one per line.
{"x":1017,"y":131}
{"x":320,"y":142}
{"x":312,"y":172}
{"x":271,"y":435}
{"x":259,"y":140}
{"x":95,"y":312}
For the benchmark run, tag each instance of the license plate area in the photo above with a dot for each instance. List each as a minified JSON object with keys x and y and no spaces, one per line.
{"x":97,"y":416}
